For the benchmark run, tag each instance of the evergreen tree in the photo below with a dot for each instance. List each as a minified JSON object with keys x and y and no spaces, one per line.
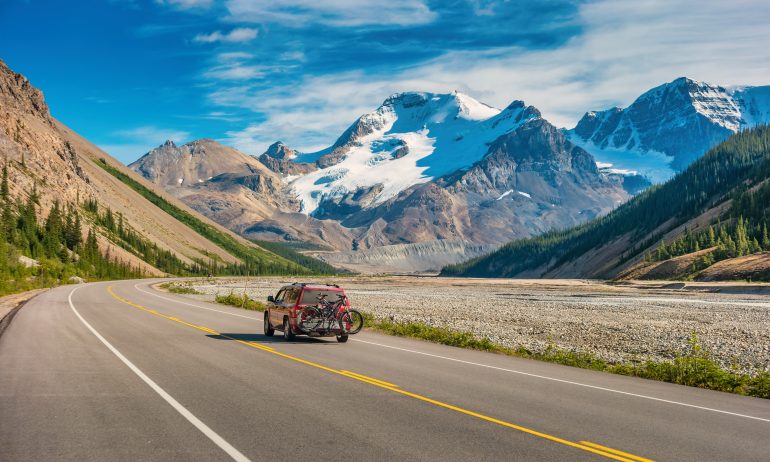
{"x":8,"y":223}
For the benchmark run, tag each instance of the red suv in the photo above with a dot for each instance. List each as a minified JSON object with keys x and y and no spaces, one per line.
{"x":283,"y":310}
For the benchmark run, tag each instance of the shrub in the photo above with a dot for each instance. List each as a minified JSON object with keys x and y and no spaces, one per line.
{"x":240,"y":301}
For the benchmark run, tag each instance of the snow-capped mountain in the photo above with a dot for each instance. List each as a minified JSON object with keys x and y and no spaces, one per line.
{"x":428,"y":166}
{"x":410,"y":139}
{"x":669,"y":126}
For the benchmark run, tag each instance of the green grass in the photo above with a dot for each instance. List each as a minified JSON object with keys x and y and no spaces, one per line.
{"x":696,"y":368}
{"x":259,"y":260}
{"x":240,"y":301}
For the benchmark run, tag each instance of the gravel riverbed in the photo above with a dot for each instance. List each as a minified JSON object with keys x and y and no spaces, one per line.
{"x":615,"y":322}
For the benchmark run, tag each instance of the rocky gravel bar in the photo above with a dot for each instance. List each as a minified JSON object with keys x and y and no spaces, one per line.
{"x":616,"y":322}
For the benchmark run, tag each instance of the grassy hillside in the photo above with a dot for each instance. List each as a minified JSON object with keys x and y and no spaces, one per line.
{"x":736,"y":169}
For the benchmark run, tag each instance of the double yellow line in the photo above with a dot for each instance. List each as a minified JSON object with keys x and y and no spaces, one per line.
{"x":583,"y":445}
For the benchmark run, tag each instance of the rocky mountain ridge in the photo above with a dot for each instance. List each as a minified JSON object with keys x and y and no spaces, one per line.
{"x":669,"y":126}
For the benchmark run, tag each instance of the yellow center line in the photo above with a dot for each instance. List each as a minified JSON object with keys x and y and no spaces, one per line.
{"x":615,"y":451}
{"x":583,"y":445}
{"x":370,"y":379}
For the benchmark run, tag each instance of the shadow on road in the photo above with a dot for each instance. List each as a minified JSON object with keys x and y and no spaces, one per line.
{"x":261,"y":338}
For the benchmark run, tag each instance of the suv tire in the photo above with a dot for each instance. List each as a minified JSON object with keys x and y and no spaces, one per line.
{"x":269,"y":331}
{"x":287,"y":333}
{"x":342,"y":338}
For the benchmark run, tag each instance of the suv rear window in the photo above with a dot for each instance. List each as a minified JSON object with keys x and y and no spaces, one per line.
{"x":291,"y":296}
{"x":310,"y":296}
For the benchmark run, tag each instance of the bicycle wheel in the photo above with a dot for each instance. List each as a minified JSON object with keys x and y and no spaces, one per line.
{"x":352,"y":321}
{"x":309,"y":319}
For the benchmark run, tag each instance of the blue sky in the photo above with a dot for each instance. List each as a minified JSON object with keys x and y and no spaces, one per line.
{"x":128,"y":74}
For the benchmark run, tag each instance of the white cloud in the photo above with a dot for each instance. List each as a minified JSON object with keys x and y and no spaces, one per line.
{"x":233,"y":56}
{"x":296,"y":56}
{"x":152,"y":134}
{"x":186,"y":4}
{"x":237,"y":35}
{"x":235,"y":71}
{"x":625,"y":49}
{"x":332,"y":12}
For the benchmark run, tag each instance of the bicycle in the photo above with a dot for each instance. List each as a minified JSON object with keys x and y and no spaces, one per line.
{"x":328,"y":316}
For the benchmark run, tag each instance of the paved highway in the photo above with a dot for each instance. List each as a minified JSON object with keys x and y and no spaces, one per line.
{"x":119,"y":371}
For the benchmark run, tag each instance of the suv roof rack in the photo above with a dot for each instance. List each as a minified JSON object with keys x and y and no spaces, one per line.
{"x":303,"y":284}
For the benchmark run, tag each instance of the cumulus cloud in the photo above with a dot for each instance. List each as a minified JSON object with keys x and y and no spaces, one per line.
{"x":624,"y":49}
{"x":237,"y":35}
{"x":332,"y":12}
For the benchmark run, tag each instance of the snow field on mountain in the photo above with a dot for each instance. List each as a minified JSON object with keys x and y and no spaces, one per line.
{"x":653,"y":165}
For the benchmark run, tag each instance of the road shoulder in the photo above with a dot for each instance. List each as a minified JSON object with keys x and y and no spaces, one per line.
{"x":11,"y":304}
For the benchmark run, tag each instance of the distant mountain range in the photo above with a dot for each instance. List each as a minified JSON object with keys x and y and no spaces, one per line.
{"x":425,"y":168}
{"x":421,"y":168}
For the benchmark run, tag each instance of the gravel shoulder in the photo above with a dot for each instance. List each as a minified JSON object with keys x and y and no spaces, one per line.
{"x":617,"y":322}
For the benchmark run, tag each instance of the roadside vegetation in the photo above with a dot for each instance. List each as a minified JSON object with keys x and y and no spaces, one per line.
{"x":240,"y":301}
{"x":37,"y":251}
{"x":696,"y":368}
{"x":176,"y":289}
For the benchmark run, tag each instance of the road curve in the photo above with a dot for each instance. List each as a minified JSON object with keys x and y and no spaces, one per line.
{"x":120,"y":371}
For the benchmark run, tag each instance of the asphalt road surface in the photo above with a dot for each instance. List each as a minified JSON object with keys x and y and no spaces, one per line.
{"x":118,"y":371}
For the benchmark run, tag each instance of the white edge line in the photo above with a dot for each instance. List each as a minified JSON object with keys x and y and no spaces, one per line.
{"x":211,"y":434}
{"x":513,"y":371}
{"x":595,"y":387}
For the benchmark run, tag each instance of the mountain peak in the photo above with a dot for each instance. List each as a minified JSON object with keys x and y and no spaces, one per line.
{"x":16,"y":91}
{"x":280,"y":151}
{"x":193,"y":162}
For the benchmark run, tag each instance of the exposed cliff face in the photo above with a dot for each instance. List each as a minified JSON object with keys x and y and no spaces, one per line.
{"x":420,"y":257}
{"x":18,"y":94}
{"x":279,"y":158}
